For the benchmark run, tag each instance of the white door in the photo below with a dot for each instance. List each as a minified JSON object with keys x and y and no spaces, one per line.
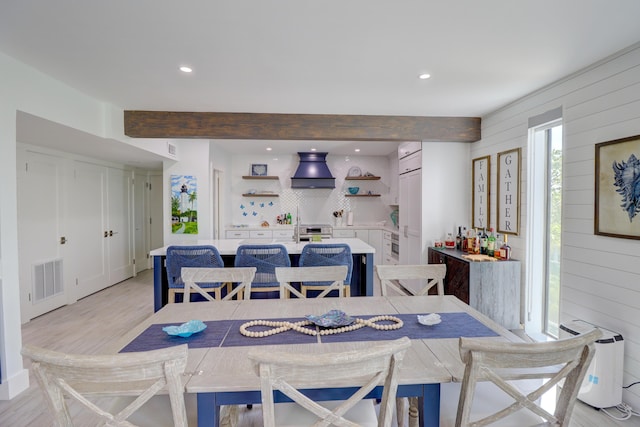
{"x":119,"y":242}
{"x":44,"y":278}
{"x":410,"y":217}
{"x":139,"y":224}
{"x":90,"y":233}
{"x":156,"y":234}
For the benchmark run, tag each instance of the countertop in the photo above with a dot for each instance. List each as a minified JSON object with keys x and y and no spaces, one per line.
{"x":230,"y":246}
{"x":360,"y":226}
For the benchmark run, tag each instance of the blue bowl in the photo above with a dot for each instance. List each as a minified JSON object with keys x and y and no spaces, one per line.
{"x":354,"y":190}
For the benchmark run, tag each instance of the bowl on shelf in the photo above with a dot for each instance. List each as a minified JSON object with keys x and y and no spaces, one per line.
{"x":353,"y":190}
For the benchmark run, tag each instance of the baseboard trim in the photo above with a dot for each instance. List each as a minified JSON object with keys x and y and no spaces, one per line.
{"x":11,"y":387}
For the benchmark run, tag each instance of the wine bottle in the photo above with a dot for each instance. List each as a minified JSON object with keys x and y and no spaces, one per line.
{"x":505,"y":250}
{"x":483,"y":241}
{"x":491,"y":243}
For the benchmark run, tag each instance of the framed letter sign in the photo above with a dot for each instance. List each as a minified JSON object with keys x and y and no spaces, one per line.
{"x":480,"y":193}
{"x":509,"y":192}
{"x":617,"y":201}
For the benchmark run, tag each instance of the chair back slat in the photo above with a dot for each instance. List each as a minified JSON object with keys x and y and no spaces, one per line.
{"x":240,"y":275}
{"x":567,"y":361}
{"x":432,"y":274}
{"x":142,"y":374}
{"x":334,"y":276}
{"x":364,"y":369}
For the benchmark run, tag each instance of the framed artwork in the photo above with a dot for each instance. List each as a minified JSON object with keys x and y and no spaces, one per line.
{"x":508,"y":197}
{"x":258,"y":169}
{"x":184,"y":204}
{"x":617,"y":188}
{"x":481,"y":181}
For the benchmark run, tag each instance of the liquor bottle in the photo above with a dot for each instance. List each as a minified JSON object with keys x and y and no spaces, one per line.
{"x":505,"y":250}
{"x":459,"y":239}
{"x":476,"y":243}
{"x":483,"y":241}
{"x":491,"y":243}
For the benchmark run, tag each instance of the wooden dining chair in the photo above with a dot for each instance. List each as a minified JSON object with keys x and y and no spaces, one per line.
{"x":324,"y":255}
{"x":493,"y":369}
{"x":82,"y":378}
{"x":365,"y":369}
{"x":432,"y":274}
{"x":243,"y":276}
{"x":193,"y":256}
{"x":333,"y":276}
{"x":390,"y":276}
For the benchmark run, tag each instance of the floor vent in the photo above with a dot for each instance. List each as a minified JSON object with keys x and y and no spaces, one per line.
{"x":47,"y":280}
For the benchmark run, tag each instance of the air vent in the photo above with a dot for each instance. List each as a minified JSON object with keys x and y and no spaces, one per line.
{"x":171,"y":148}
{"x":47,"y":280}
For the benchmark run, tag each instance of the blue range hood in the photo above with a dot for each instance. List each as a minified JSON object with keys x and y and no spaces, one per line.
{"x":313,"y":172}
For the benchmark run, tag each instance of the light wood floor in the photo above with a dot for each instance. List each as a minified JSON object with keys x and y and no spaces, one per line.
{"x":89,"y":325}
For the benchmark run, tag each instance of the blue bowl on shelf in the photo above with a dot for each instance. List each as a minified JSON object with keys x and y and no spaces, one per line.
{"x":354,"y":190}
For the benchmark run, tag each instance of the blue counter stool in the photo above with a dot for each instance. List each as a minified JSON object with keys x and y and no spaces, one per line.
{"x":265,"y":258}
{"x":323,"y":255}
{"x":192,"y":256}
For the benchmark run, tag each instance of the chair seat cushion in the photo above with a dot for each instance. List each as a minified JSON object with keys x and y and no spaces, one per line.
{"x":294,"y":415}
{"x":488,"y":399}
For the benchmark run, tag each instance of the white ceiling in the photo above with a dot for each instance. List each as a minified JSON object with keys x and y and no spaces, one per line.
{"x":315,"y":57}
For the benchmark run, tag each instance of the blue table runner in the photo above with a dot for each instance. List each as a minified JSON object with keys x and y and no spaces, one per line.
{"x":226,"y":333}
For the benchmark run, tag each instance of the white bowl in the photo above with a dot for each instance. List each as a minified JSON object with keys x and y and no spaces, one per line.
{"x":429,"y":319}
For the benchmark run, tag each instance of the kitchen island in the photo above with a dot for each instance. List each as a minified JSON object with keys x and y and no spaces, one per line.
{"x":361,"y":279}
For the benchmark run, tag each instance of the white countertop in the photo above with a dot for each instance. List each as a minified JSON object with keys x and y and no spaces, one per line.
{"x":387,"y":227}
{"x":230,"y":246}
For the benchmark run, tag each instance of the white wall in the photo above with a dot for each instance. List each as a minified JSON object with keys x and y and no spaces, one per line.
{"x":194,"y":160}
{"x":601,"y":275}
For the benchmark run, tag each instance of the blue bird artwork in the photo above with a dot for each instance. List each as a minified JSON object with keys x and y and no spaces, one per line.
{"x":262,"y":205}
{"x":252,"y":203}
{"x":627,"y":181}
{"x":241,"y":206}
{"x":254,"y":213}
{"x":244,"y":214}
{"x":270,"y":203}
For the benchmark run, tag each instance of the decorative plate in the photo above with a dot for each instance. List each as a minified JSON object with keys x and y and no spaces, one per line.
{"x":186,"y":329}
{"x":429,"y":319}
{"x":331,"y":319}
{"x":354,"y":171}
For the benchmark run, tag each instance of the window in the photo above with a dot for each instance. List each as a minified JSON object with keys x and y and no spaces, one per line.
{"x":544,"y":228}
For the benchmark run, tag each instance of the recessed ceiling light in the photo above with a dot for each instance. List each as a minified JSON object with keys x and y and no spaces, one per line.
{"x":313,"y":149}
{"x":269,"y":148}
{"x":185,"y":69}
{"x":357,"y":150}
{"x":424,"y":76}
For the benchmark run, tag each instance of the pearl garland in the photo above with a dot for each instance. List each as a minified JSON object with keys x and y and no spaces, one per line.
{"x":283,"y":326}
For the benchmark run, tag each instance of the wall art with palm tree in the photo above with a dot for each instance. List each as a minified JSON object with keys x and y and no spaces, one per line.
{"x":184,"y":206}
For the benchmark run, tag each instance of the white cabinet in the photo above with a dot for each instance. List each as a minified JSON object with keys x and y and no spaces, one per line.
{"x":260,"y":234}
{"x":237,"y":234}
{"x":283,"y":234}
{"x":343,"y":234}
{"x":387,"y":251}
{"x":410,"y":207}
{"x":372,"y":238}
{"x":409,"y":147}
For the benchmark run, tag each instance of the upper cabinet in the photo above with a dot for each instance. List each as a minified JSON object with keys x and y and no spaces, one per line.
{"x":408,"y":148}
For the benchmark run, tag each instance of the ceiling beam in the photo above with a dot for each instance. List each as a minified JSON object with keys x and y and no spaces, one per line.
{"x":313,"y":127}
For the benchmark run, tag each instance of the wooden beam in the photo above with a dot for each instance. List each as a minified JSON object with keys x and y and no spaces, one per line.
{"x":318,"y":127}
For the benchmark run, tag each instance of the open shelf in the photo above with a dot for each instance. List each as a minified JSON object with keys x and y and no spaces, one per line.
{"x":260,"y":195}
{"x":260,"y":177}
{"x":362,"y":195}
{"x":362,"y":178}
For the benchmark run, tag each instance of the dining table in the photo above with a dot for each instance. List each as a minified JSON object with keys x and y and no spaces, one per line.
{"x":220,"y":373}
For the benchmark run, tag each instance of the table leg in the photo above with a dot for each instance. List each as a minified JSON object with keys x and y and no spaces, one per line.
{"x":426,"y":408}
{"x":208,"y":410}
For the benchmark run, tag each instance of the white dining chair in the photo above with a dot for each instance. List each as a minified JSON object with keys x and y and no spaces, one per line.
{"x":333,"y":275}
{"x":243,"y":276}
{"x":365,"y":369}
{"x":139,"y":376}
{"x":431,"y":274}
{"x":489,"y":392}
{"x":390,"y":276}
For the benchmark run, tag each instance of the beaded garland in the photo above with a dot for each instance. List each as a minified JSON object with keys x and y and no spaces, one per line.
{"x":283,"y":326}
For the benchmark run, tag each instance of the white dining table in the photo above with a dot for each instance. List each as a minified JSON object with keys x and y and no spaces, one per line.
{"x":223,"y":375}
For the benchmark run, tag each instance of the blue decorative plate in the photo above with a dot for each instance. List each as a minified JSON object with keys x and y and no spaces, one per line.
{"x":186,"y":329}
{"x":331,"y":319}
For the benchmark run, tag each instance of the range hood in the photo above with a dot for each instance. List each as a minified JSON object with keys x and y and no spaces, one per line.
{"x":313,"y":172}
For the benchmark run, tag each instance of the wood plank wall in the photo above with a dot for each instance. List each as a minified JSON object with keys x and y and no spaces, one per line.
{"x":600,"y":281}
